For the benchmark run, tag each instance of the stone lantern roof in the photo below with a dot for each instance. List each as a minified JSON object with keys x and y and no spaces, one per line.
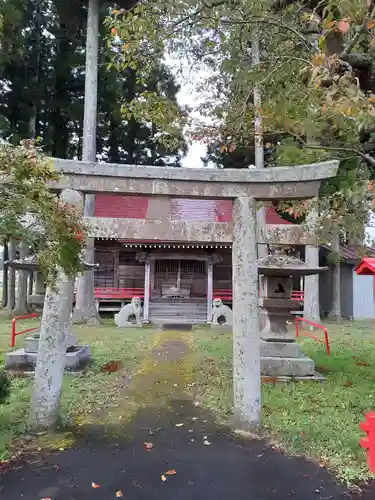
{"x":280,"y":264}
{"x":30,"y":263}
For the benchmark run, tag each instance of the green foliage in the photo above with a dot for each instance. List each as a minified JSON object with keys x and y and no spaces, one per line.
{"x":42,"y":77}
{"x":315,"y":80}
{"x":30,"y":211}
{"x":4,"y":386}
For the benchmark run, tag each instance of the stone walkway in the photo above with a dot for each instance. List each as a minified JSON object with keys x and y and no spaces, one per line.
{"x":209,"y":463}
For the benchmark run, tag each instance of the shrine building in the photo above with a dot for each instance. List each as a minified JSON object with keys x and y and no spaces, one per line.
{"x":182,"y":278}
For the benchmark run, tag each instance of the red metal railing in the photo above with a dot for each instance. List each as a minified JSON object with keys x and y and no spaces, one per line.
{"x":118,"y":293}
{"x":15,"y":333}
{"x":306,"y":334}
{"x":297,"y":295}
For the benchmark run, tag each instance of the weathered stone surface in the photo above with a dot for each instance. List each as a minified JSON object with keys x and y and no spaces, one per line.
{"x":21,"y":359}
{"x":221,"y":313}
{"x":32,"y":343}
{"x":289,"y":367}
{"x":280,"y":349}
{"x":124,"y":317}
{"x":281,"y":234}
{"x":164,"y":229}
{"x":246,"y":362}
{"x":300,"y":173}
{"x":264,"y":184}
{"x":160,"y":230}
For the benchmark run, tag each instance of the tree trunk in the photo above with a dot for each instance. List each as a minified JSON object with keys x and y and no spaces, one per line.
{"x":21,"y":307}
{"x":11,"y":278}
{"x":85,"y":310}
{"x":335,"y":312}
{"x":311,"y":309}
{"x":4,"y":296}
{"x":258,"y":136}
{"x":50,"y":365}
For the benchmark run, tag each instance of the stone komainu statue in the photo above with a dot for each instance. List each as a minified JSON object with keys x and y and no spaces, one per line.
{"x":128,"y":312}
{"x":221,"y":314}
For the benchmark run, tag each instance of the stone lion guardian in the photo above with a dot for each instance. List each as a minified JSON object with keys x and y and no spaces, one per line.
{"x":221,"y":314}
{"x":127,"y":313}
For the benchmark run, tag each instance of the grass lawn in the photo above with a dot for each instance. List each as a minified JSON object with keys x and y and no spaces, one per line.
{"x":81,"y":394}
{"x":320,"y":420}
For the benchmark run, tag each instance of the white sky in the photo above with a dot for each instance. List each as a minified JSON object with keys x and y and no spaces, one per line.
{"x":188,"y":78}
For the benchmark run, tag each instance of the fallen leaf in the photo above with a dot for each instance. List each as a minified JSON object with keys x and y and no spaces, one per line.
{"x":179,"y":425}
{"x":94,"y":485}
{"x":163,"y":478}
{"x":148,"y":445}
{"x":343,"y":26}
{"x":119,"y":494}
{"x":171,"y":472}
{"x":362,"y":363}
{"x":111,"y":367}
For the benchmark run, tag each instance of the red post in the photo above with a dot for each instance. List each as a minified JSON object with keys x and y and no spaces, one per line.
{"x":13,"y":337}
{"x":327,"y":341}
{"x":297,"y":330}
{"x":368,"y":442}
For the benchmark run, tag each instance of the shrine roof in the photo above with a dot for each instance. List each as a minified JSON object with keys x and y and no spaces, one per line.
{"x":366,"y":266}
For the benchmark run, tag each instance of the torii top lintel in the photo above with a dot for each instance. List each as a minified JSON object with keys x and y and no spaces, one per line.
{"x":277,"y":183}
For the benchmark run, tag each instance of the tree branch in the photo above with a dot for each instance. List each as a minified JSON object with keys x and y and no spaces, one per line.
{"x":270,"y":20}
{"x":366,"y":157}
{"x":362,"y":29}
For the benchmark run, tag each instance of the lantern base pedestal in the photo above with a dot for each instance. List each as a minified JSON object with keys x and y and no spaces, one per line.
{"x":284,"y":359}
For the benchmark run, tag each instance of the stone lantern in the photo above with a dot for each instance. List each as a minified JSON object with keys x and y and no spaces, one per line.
{"x":24,"y":360}
{"x":281,"y":356}
{"x":36,"y":300}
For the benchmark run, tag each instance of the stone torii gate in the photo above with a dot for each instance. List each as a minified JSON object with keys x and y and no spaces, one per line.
{"x":244,"y":187}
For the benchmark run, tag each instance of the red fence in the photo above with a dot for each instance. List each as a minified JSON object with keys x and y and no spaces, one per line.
{"x":226,"y":295}
{"x":307,"y":334}
{"x":118,"y":293}
{"x":15,"y":333}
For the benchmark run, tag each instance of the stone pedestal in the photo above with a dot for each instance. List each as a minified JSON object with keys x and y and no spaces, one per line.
{"x":284,"y":359}
{"x":25,"y":359}
{"x":280,"y":355}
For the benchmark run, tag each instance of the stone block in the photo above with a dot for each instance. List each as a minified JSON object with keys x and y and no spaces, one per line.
{"x":177,"y":326}
{"x":281,"y":350}
{"x":79,"y":356}
{"x":31,"y":343}
{"x":288,"y":367}
{"x":20,"y":358}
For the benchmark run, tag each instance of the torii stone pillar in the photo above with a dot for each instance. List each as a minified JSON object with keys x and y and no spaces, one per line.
{"x":244,"y":186}
{"x":246,"y":359}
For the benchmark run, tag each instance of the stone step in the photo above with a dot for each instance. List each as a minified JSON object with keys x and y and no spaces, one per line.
{"x":180,"y":315}
{"x":171,"y":321}
{"x":177,"y":308}
{"x":178,"y":301}
{"x":272,"y":366}
{"x":281,"y":349}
